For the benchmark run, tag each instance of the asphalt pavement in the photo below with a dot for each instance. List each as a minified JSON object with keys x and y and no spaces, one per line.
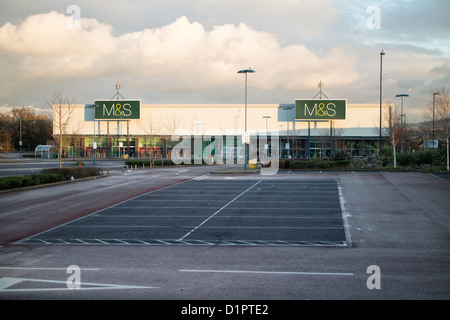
{"x":396,"y":245}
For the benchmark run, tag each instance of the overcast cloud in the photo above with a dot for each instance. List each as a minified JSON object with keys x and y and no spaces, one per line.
{"x":190,"y":51}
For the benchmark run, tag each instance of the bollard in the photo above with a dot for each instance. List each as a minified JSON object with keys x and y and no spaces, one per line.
{"x":143,"y":166}
{"x":108,"y":171}
{"x":135,"y":167}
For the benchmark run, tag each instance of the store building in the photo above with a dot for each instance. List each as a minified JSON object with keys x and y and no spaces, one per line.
{"x":115,"y":129}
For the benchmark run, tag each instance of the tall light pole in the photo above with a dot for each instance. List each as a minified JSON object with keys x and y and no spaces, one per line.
{"x":267,"y":118}
{"x":288,"y":146}
{"x":94,"y":143}
{"x":249,"y":70}
{"x":267,"y":130}
{"x":382,"y":53}
{"x":401,"y":120}
{"x":434,"y":94}
{"x":20,"y":133}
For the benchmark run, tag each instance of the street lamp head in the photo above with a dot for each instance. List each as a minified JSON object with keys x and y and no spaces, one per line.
{"x":383,"y":52}
{"x":435,"y":93}
{"x":402,"y":95}
{"x":249,"y":70}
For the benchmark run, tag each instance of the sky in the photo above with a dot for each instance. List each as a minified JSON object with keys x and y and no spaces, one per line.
{"x":189,"y":51}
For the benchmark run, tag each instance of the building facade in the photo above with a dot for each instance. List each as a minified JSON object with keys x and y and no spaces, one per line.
{"x":154,"y":133}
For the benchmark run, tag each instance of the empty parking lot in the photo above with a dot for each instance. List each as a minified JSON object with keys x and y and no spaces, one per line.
{"x":177,"y":233}
{"x":216,"y":212}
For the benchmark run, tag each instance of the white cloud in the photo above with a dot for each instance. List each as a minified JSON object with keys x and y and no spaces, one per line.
{"x":286,"y":18}
{"x":43,"y":47}
{"x":190,"y":51}
{"x":179,"y":57}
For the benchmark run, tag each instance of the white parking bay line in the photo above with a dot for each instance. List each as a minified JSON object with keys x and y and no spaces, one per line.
{"x":211,"y":216}
{"x":271,"y":272}
{"x":38,"y":268}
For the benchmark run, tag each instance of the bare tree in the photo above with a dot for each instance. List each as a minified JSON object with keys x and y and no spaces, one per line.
{"x":75,"y":137}
{"x":62,"y":109}
{"x":35,"y":128}
{"x":439,"y":113}
{"x":172,"y":124}
{"x":393,"y":129}
{"x":151,"y":128}
{"x":5,"y":132}
{"x":336,"y":135}
{"x":323,"y":140}
{"x":5,"y":142}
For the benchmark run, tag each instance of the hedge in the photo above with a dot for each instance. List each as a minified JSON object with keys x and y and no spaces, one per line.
{"x":29,"y":180}
{"x":76,"y":172}
{"x":48,"y":176}
{"x":421,"y":157}
{"x":147,"y":163}
{"x":154,"y":162}
{"x":316,"y":164}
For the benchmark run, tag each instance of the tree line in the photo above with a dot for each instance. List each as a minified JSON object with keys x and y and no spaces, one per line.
{"x":24,"y":124}
{"x":435,"y":127}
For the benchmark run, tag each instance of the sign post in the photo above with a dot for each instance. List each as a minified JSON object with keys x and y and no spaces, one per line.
{"x":120,"y":110}
{"x":318,"y":111}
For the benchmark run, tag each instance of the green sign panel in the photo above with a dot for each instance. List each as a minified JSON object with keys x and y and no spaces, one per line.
{"x":117,"y":109}
{"x":320,"y":109}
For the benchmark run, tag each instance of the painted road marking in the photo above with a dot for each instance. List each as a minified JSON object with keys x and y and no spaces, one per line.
{"x":271,"y":272}
{"x":242,"y":193}
{"x":253,"y":212}
{"x":7,"y":282}
{"x":37,"y":268}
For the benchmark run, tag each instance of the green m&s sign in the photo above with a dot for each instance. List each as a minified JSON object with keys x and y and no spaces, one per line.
{"x":117,"y":109}
{"x":320,"y":109}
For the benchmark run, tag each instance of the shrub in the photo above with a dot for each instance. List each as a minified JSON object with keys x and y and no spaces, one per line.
{"x":5,"y":183}
{"x":285,"y":163}
{"x":421,"y":157}
{"x":159,"y":162}
{"x":406,"y":159}
{"x":28,"y":180}
{"x":318,"y":164}
{"x":36,"y":179}
{"x":167,"y":162}
{"x":138,"y":162}
{"x":341,"y":155}
{"x":75,"y":172}
{"x":50,"y":177}
{"x":298,"y":164}
{"x":322,"y":164}
{"x":342,"y":163}
{"x":428,"y":157}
